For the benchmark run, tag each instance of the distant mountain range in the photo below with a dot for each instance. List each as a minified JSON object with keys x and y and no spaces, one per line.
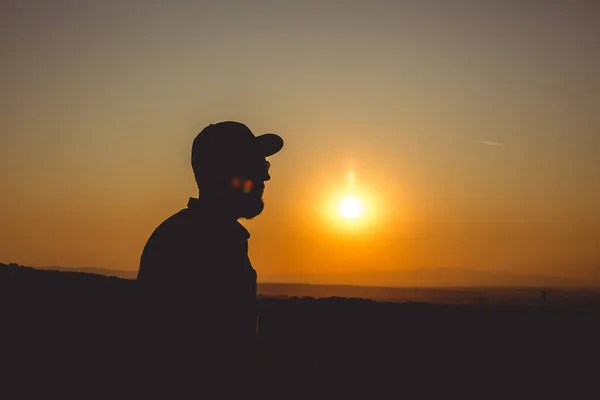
{"x":421,"y":277}
{"x":435,"y":277}
{"x":435,"y":285}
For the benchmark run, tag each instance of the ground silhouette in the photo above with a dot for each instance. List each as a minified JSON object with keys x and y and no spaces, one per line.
{"x":72,"y":333}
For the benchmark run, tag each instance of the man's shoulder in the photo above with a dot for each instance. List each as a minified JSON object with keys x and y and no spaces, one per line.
{"x":174,"y":228}
{"x":170,"y":243}
{"x":196,"y":229}
{"x":179,"y":220}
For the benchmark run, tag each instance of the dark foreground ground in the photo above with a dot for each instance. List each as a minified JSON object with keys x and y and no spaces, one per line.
{"x":75,"y":334}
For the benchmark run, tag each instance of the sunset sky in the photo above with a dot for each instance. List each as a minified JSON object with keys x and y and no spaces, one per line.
{"x":469,"y":130}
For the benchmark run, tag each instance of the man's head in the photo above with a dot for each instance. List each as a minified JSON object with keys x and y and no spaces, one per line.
{"x":230,"y":166}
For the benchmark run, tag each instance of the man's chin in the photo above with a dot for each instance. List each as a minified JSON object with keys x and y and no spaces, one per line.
{"x":253,"y":209}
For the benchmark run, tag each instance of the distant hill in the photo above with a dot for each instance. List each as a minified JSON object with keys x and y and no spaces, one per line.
{"x":92,"y":270}
{"x":436,"y":278}
{"x":516,"y":290}
{"x":409,"y":278}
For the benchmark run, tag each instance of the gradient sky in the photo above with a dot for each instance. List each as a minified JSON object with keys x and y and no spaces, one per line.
{"x":473,"y":127}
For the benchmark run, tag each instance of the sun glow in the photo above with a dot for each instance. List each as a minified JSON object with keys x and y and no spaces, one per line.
{"x":351,"y":207}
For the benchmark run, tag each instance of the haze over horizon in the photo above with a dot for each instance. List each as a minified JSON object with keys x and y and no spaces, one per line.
{"x":470,"y":130}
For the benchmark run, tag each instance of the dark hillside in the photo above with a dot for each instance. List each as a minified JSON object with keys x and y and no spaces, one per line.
{"x":74,"y":331}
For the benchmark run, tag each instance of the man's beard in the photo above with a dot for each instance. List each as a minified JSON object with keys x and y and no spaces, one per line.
{"x":250,"y":206}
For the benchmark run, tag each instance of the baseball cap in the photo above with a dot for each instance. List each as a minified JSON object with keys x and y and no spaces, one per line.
{"x":230,"y":141}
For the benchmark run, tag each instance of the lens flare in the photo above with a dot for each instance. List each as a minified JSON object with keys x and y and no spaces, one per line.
{"x":248,"y":185}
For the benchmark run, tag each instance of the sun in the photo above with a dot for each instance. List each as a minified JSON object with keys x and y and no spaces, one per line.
{"x":351,"y":208}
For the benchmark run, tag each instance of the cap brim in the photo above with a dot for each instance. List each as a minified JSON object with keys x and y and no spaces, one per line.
{"x":269,"y":144}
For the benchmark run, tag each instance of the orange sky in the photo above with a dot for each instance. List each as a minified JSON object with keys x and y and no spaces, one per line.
{"x":100,"y":103}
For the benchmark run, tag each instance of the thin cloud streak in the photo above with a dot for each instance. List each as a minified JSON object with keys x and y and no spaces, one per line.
{"x":488,"y":143}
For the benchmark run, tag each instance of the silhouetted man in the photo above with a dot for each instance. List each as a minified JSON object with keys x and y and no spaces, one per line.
{"x":198,"y":283}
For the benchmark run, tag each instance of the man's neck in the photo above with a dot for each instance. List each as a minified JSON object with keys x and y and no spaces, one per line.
{"x":216,"y":207}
